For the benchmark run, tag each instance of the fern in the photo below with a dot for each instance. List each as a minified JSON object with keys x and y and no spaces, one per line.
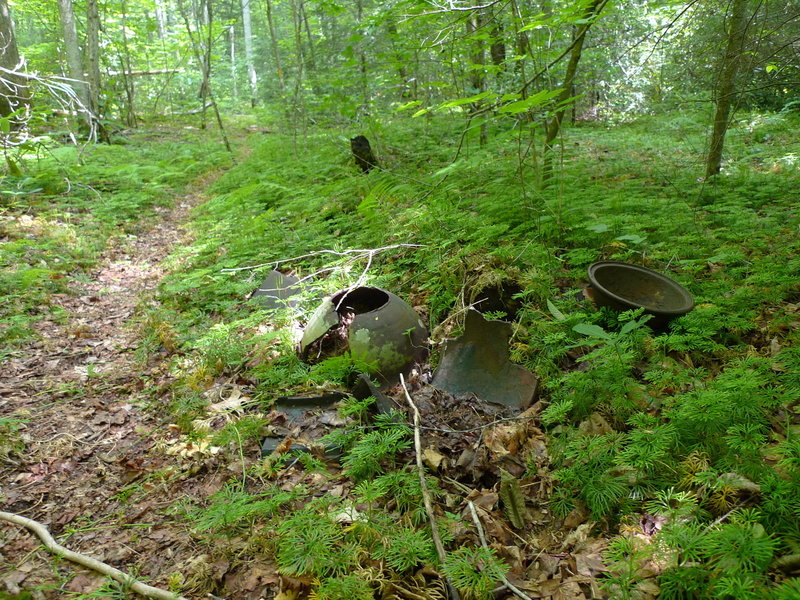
{"x":232,"y":509}
{"x":310,"y":543}
{"x":474,"y":571}
{"x":406,"y":548}
{"x":368,"y":454}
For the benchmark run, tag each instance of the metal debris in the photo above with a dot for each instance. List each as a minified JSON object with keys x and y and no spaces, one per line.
{"x":478,"y":363}
{"x":370,"y":325}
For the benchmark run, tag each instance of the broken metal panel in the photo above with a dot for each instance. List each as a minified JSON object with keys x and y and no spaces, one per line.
{"x":277,"y":290}
{"x":322,"y":320}
{"x":478,"y":363}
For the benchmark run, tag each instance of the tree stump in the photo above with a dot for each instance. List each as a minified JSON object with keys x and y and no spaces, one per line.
{"x":362,"y":152}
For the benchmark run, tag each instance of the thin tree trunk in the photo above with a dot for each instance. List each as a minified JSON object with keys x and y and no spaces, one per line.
{"x":248,"y":52}
{"x":127,"y":79}
{"x":161,"y":20}
{"x":727,"y":83}
{"x":554,"y":126}
{"x":69,"y":32}
{"x":478,"y":74}
{"x":234,"y":76}
{"x":497,"y":50}
{"x":93,"y":67}
{"x":275,"y":50}
{"x":14,"y":92}
{"x":312,"y":56}
{"x":362,"y":59}
{"x":204,"y":60}
{"x":391,"y":29}
{"x":298,"y":106}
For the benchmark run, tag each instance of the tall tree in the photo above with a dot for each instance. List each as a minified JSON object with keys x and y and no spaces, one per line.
{"x":248,"y":52}
{"x":13,"y":87}
{"x":590,"y":14}
{"x":729,"y":67}
{"x":93,"y":66}
{"x":276,"y":54}
{"x":69,"y":33}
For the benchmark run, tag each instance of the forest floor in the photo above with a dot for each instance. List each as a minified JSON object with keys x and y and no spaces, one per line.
{"x":139,"y":379}
{"x":89,"y":441}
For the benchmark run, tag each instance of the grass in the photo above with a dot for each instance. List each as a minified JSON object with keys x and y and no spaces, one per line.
{"x":700,"y":422}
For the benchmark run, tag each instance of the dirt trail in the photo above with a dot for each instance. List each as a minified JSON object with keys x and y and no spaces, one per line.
{"x":88,"y":472}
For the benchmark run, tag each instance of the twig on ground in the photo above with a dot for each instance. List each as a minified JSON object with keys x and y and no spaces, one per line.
{"x":426,"y":495}
{"x":87,"y":561}
{"x":480,"y":427}
{"x":482,"y":538}
{"x":364,"y":251}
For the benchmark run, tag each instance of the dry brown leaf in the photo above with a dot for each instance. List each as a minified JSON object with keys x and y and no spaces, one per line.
{"x":432,"y":459}
{"x":590,"y":565}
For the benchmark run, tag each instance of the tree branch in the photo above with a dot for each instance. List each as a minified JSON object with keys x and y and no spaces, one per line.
{"x":482,"y":538}
{"x":426,"y":495}
{"x":87,"y":561}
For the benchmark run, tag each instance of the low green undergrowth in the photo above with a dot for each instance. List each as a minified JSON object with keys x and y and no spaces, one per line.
{"x":66,"y":204}
{"x":694,"y":426}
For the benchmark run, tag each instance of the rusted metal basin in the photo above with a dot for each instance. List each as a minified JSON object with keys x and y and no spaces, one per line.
{"x":625,"y":286}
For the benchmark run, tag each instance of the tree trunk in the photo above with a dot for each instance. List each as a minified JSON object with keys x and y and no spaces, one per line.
{"x":202,"y":54}
{"x":497,"y":50}
{"x":127,"y":79}
{"x":234,"y":75}
{"x":248,"y":52}
{"x":69,"y":32}
{"x":93,"y":64}
{"x":478,"y":59}
{"x":312,"y":55}
{"x":362,"y":58}
{"x":275,"y":50}
{"x":727,"y":83}
{"x":13,"y":89}
{"x":554,"y":126}
{"x":161,"y":20}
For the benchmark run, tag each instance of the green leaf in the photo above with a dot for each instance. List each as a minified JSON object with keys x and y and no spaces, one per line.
{"x":5,"y":125}
{"x":462,"y":101}
{"x":513,"y":499}
{"x":632,"y":238}
{"x":771,"y":68}
{"x":630,"y":326}
{"x":420,"y":112}
{"x":536,"y":100}
{"x":591,"y":330}
{"x":408,"y":105}
{"x":559,"y":316}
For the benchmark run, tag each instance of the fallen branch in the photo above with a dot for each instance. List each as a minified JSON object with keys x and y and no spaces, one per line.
{"x":426,"y":495}
{"x":87,"y":561}
{"x":482,"y":538}
{"x":362,"y":251}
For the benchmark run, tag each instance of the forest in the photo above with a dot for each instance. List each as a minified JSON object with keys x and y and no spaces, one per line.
{"x":400,"y":299}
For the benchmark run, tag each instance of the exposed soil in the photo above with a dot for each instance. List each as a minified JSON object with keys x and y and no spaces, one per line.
{"x":94,"y":470}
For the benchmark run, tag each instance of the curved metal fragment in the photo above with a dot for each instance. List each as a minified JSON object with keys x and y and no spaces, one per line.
{"x":478,"y":363}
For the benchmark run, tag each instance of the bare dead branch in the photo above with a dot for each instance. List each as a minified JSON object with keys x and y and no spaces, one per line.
{"x":426,"y":495}
{"x":361,"y":251}
{"x":87,"y":561}
{"x":482,"y":538}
